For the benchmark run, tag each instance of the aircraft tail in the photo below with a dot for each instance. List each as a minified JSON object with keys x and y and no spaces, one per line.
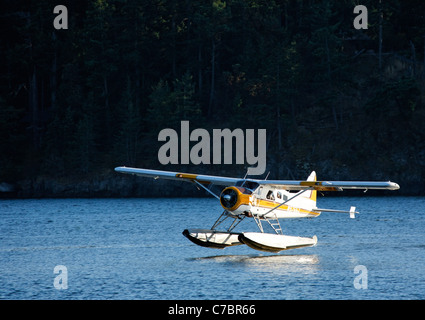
{"x":312,"y":194}
{"x":307,"y":198}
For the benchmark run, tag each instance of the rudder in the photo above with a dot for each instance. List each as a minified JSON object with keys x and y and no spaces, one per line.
{"x":312,"y":194}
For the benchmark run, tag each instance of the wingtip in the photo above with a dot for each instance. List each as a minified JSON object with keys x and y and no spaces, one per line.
{"x":394,"y":186}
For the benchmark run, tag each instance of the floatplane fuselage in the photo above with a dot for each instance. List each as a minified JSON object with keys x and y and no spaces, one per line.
{"x":265,"y":201}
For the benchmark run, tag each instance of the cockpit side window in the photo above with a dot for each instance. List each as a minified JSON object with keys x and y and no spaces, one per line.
{"x":270,"y":195}
{"x":251,"y":185}
{"x":239,"y":183}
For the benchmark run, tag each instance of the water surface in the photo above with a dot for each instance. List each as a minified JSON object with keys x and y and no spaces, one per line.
{"x":134,"y":249}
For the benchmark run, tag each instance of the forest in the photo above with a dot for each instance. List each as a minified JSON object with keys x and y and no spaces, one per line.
{"x":77,"y":102}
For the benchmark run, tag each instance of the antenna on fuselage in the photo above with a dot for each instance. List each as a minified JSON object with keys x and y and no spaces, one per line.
{"x":244,"y":178}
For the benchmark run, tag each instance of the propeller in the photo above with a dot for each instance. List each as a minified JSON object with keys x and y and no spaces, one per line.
{"x":228,"y":198}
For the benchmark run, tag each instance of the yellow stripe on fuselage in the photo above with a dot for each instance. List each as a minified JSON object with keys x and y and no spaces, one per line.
{"x":269,"y":204}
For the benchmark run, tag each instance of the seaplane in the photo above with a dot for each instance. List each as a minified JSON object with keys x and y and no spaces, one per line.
{"x":264,"y":201}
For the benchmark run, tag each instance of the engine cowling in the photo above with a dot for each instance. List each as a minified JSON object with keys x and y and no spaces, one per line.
{"x":235,"y":199}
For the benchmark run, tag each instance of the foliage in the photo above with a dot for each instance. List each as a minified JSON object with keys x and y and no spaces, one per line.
{"x":96,"y":95}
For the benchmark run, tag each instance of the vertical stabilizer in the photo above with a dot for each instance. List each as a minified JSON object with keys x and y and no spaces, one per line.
{"x":312,"y":195}
{"x":306,"y":199}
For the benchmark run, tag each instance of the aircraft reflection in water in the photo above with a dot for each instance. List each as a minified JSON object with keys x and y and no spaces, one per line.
{"x":278,"y":264}
{"x":265,"y":201}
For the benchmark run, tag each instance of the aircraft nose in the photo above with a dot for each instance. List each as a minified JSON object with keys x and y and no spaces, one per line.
{"x":227,"y":197}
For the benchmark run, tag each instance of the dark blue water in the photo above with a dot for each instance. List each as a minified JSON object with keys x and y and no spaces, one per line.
{"x":134,"y":249}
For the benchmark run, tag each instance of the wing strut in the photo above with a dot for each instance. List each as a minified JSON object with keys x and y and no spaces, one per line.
{"x":208,"y":190}
{"x":226,"y":215}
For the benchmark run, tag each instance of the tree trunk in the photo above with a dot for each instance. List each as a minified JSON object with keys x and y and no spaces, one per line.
{"x":200,"y":69}
{"x":33,"y":106}
{"x":381,"y":18}
{"x":212,"y":78}
{"x":53,"y":78}
{"x":412,"y":47}
{"x":108,"y":118}
{"x":173,"y":57}
{"x":279,"y":127}
{"x":423,"y":67}
{"x":328,"y":58}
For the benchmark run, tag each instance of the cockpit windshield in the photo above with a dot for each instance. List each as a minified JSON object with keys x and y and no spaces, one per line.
{"x":252,"y":185}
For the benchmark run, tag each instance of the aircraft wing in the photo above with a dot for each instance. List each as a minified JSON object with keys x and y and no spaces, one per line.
{"x":331,"y":185}
{"x":284,"y":184}
{"x":160,"y":174}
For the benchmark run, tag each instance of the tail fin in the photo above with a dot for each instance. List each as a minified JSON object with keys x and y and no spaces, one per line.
{"x":353,"y":212}
{"x":312,"y":195}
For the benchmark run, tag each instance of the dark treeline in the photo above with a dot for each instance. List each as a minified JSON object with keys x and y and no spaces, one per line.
{"x":347,"y":103}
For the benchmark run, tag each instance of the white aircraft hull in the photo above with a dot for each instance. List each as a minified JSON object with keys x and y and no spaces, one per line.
{"x":275,"y":242}
{"x":212,"y":238}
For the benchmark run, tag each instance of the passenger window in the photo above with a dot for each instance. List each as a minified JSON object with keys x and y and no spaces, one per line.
{"x":270,"y":195}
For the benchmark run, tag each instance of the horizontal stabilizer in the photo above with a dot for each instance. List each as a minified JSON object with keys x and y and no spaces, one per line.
{"x":352,"y":211}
